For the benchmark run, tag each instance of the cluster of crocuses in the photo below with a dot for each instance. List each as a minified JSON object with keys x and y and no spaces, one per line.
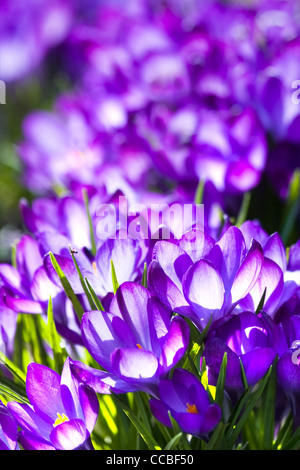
{"x":166,"y":95}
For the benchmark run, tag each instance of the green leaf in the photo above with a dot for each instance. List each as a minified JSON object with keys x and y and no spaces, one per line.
{"x":294,"y":442}
{"x":249,"y":399}
{"x":221,"y":382}
{"x":84,"y":286}
{"x":58,"y":355}
{"x":94,"y":296}
{"x":12,"y":394}
{"x":199,"y":192}
{"x":13,"y":369}
{"x":244,"y":378}
{"x":261,"y":302}
{"x":144,"y":278}
{"x":292,"y":207}
{"x":216,"y":439}
{"x":92,"y":234}
{"x":242,"y":216}
{"x":114,"y":277}
{"x":268,"y":408}
{"x":138,"y":424}
{"x":285,"y":432}
{"x":67,"y":287}
{"x":174,"y":441}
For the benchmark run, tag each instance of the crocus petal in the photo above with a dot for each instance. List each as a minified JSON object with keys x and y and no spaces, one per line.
{"x":43,"y":390}
{"x":28,"y":256}
{"x":22,"y":305}
{"x":29,"y":420}
{"x":256,"y":363}
{"x":173,"y":260}
{"x":271,"y":279}
{"x":211,"y":418}
{"x":252,"y":229}
{"x":227,"y":254}
{"x":160,"y":412}
{"x":160,"y":284}
{"x":175,"y":343}
{"x":101,"y":338}
{"x":196,"y":243}
{"x":214,"y":353}
{"x":140,"y":312}
{"x":288,"y":371}
{"x":204,"y":290}
{"x":33,"y":442}
{"x":8,"y":428}
{"x":90,"y":406}
{"x":248,"y":272}
{"x":189,"y":422}
{"x":294,"y":257}
{"x":69,"y":435}
{"x":100,"y":381}
{"x":274,"y":249}
{"x":136,"y":365}
{"x":126,"y":256}
{"x":41,"y":287}
{"x":70,"y":393}
{"x":11,"y":278}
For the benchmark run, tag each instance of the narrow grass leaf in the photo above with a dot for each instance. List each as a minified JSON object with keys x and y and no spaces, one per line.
{"x":67,"y":287}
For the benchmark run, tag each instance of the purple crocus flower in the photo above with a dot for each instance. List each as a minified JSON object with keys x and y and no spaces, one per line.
{"x":28,"y":33}
{"x":187,"y":400}
{"x":62,"y":413}
{"x":206,"y":279}
{"x":8,"y":429}
{"x":137,"y":341}
{"x":98,"y":269}
{"x":246,"y":338}
{"x":27,"y":288}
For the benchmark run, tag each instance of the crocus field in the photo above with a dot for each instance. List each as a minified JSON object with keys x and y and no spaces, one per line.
{"x":150,"y":225}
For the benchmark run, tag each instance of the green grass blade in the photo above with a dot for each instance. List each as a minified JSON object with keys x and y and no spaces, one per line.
{"x":94,"y":296}
{"x":174,"y":441}
{"x":81,"y":277}
{"x":114,"y":277}
{"x":13,"y":369}
{"x":67,"y":287}
{"x":138,"y":424}
{"x":58,"y":354}
{"x":221,"y":382}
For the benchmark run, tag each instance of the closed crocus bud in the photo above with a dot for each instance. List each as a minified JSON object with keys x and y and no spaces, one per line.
{"x":187,"y":400}
{"x":247,"y":339}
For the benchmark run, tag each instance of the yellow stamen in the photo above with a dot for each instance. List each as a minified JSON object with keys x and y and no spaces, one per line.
{"x":94,"y":267}
{"x":192,"y":409}
{"x":139,"y":346}
{"x":60,"y":419}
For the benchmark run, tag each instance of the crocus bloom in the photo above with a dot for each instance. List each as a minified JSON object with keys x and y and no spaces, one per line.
{"x":246,"y":338}
{"x":28,"y":33}
{"x":138,"y":340}
{"x":187,"y":400}
{"x":8,"y":429}
{"x":27,"y":288}
{"x":62,"y":413}
{"x":204,"y":279}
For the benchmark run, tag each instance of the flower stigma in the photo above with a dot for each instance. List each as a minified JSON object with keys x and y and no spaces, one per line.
{"x":191,"y":409}
{"x":60,"y":419}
